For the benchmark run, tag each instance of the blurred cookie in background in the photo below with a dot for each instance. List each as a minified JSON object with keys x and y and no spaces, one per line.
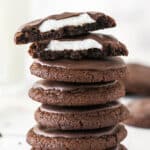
{"x":139,"y":113}
{"x":138,"y":80}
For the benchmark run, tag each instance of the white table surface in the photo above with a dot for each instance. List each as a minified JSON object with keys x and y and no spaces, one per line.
{"x":17,"y":118}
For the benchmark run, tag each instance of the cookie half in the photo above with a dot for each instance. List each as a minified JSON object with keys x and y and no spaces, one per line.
{"x":138,"y":79}
{"x":79,"y":118}
{"x":94,"y":46}
{"x":62,"y":25}
{"x":139,"y":113}
{"x":87,"y":71}
{"x":101,"y":139}
{"x":76,"y":94}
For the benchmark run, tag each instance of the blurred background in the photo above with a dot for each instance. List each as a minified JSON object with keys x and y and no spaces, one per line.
{"x":16,"y":110}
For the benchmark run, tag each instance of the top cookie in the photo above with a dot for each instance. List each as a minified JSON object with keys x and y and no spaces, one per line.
{"x":62,"y":25}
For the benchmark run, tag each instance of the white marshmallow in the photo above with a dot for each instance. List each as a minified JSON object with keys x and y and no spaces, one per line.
{"x":56,"y":45}
{"x":53,"y":24}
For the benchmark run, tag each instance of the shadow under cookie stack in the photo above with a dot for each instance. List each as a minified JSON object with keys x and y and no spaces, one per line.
{"x":82,"y":82}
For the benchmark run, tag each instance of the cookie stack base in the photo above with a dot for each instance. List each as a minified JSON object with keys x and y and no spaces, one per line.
{"x":119,"y":147}
{"x":101,"y":139}
{"x":83,"y":81}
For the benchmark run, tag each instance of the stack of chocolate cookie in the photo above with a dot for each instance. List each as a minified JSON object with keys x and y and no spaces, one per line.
{"x":81,"y":82}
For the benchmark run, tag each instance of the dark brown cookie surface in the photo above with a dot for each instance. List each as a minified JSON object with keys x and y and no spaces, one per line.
{"x":100,"y":139}
{"x":138,"y":80}
{"x":139,"y":113}
{"x":76,"y":94}
{"x":93,"y":46}
{"x":87,"y":71}
{"x":79,"y":118}
{"x":62,"y":25}
{"x":119,"y":147}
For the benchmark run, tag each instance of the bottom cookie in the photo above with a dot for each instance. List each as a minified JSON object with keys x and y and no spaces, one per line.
{"x":100,"y":139}
{"x":119,"y":147}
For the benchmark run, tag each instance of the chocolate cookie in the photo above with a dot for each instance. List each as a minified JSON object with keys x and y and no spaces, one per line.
{"x":79,"y":118}
{"x":119,"y":147}
{"x":139,"y":113}
{"x":94,"y":46}
{"x":76,"y":94}
{"x":138,"y":80}
{"x":62,"y":25}
{"x":106,"y":69}
{"x":101,"y":139}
